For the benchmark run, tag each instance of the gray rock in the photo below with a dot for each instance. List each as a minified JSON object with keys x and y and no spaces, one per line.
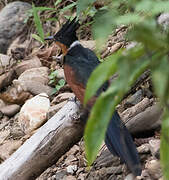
{"x":12,"y":23}
{"x":2,"y":104}
{"x":35,"y":74}
{"x":135,"y":98}
{"x":129,"y":177}
{"x":36,"y":88}
{"x":29,"y":64}
{"x":154,"y":169}
{"x":5,"y":61}
{"x":155,"y":147}
{"x":60,"y":175}
{"x":10,"y":110}
{"x":9,"y":147}
{"x":6,"y":79}
{"x":144,"y":148}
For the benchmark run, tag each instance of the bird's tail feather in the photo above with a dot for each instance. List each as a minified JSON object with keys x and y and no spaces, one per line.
{"x":120,"y":143}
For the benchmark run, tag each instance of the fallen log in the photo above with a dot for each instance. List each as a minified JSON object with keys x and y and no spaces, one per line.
{"x":46,"y":146}
{"x":58,"y":135}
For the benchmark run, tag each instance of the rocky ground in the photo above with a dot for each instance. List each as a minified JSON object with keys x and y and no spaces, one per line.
{"x":27,"y":102}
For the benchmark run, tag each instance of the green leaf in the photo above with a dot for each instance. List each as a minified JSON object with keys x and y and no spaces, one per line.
{"x":54,"y":91}
{"x":149,"y":35}
{"x":152,"y":7}
{"x":100,"y":75}
{"x":164,"y":148}
{"x":51,"y":81}
{"x":58,"y":2}
{"x":38,"y":23}
{"x":97,"y":124}
{"x":38,"y":38}
{"x":160,"y":75}
{"x":130,"y":18}
{"x":83,"y":5}
{"x":44,"y":9}
{"x":68,"y":7}
{"x":102,"y":27}
{"x":61,"y":82}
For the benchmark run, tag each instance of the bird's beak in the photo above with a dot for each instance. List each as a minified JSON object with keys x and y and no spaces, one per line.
{"x":49,"y":38}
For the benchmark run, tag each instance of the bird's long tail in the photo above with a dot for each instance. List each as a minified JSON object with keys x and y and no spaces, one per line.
{"x":120,"y":143}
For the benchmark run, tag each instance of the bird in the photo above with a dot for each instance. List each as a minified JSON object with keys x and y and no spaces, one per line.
{"x":78,"y":63}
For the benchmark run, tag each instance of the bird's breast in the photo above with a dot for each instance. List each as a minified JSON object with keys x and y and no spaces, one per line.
{"x":72,"y":80}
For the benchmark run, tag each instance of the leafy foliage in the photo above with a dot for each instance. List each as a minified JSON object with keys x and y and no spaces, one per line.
{"x":53,"y":80}
{"x":150,"y":52}
{"x":35,"y":11}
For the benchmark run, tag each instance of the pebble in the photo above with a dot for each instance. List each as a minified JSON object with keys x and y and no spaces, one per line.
{"x":10,"y":110}
{"x":12,"y":22}
{"x":34,"y":113}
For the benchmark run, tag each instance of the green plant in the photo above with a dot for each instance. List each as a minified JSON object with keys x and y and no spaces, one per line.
{"x":151,"y":52}
{"x":37,"y":19}
{"x":35,"y":10}
{"x":54,"y":80}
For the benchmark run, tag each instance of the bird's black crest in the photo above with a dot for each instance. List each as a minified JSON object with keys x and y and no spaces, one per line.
{"x":67,"y":34}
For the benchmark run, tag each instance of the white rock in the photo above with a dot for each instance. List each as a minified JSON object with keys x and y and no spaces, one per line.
{"x":34,"y":113}
{"x":129,"y":177}
{"x":71,"y":169}
{"x":154,"y":169}
{"x":154,"y":146}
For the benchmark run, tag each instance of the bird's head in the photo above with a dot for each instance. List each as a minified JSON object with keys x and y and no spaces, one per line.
{"x":66,"y":35}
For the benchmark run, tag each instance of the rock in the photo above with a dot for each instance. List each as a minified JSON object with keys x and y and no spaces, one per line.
{"x":62,"y":97}
{"x":54,"y":109}
{"x":1,"y":115}
{"x":33,"y":87}
{"x":9,"y":147}
{"x":88,"y":44}
{"x":71,"y":169}
{"x":6,"y":79}
{"x":5,"y":61}
{"x":144,"y":149}
{"x":28,"y":64}
{"x":60,"y":175}
{"x":3,"y":135}
{"x":145,"y":121}
{"x":34,"y":113}
{"x":129,"y":177}
{"x":163,"y":20}
{"x":15,"y":96}
{"x":154,"y":169}
{"x":35,"y":74}
{"x":69,"y":178}
{"x":74,"y":150}
{"x":4,"y":122}
{"x":16,"y":132}
{"x":12,"y":22}
{"x":10,"y":110}
{"x":155,"y":147}
{"x":60,"y":74}
{"x":19,"y":49}
{"x":70,"y":159}
{"x":138,"y":108}
{"x":135,"y":98}
{"x":2,"y":104}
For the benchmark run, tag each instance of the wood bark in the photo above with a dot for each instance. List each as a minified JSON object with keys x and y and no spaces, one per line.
{"x":46,"y":146}
{"x":60,"y":133}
